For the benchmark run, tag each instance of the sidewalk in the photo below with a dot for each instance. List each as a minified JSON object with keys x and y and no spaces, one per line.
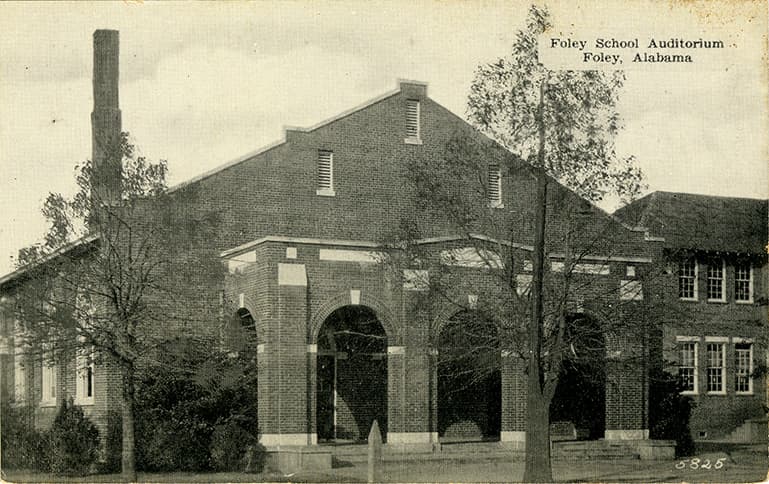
{"x":739,"y":464}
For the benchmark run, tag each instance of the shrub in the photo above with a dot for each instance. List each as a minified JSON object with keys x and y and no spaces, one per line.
{"x":22,"y":446}
{"x":670,"y":412}
{"x":113,"y":444}
{"x":184,"y":397}
{"x":230,"y":444}
{"x":74,"y":441}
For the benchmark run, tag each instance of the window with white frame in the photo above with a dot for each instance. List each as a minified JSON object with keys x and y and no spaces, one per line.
{"x":687,"y":365}
{"x":49,"y":380}
{"x":412,"y":119}
{"x":743,"y":283}
{"x":687,"y":279}
{"x":19,"y":373}
{"x":716,"y":369}
{"x":325,"y":172}
{"x":743,"y":367}
{"x":716,"y":280}
{"x":84,"y":384}
{"x":495,"y":186}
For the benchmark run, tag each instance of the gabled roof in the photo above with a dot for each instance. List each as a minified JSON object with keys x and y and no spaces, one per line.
{"x":81,"y":243}
{"x":310,"y":129}
{"x":702,"y":222}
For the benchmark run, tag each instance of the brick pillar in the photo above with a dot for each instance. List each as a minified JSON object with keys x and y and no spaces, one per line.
{"x":284,"y":415}
{"x":433,"y":422}
{"x":626,"y":391}
{"x":396,"y":393}
{"x":418,"y":391}
{"x":513,"y":401}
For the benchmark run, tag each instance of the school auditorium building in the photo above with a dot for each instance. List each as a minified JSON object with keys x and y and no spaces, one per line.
{"x":302,"y":222}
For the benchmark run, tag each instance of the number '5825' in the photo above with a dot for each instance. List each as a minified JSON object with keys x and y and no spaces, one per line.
{"x":696,"y":463}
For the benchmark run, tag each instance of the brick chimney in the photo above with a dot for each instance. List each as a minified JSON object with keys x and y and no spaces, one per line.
{"x":106,"y":122}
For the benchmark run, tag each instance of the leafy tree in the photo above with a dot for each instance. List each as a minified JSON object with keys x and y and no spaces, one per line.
{"x":562,"y":123}
{"x":557,"y":128}
{"x":113,"y":277}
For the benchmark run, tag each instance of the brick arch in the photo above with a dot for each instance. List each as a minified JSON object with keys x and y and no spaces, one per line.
{"x":384,"y":315}
{"x":234,"y":307}
{"x":444,"y":314}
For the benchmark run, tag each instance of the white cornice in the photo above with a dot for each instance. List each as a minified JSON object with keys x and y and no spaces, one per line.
{"x":433,"y":240}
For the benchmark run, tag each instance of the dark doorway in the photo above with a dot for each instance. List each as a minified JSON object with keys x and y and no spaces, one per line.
{"x":352,"y":375}
{"x":469,"y":379}
{"x":580,"y":397}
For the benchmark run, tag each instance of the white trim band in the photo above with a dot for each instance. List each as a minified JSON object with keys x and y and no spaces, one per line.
{"x":291,"y":275}
{"x":716,"y":339}
{"x":640,"y":434}
{"x":410,"y":437}
{"x":273,"y":440}
{"x":512,"y":436}
{"x":347,"y":255}
{"x":687,"y":339}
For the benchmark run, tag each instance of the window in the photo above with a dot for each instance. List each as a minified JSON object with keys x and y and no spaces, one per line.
{"x":19,"y":374}
{"x":743,"y":367}
{"x":716,"y":280}
{"x":412,"y":121}
{"x":687,"y":365}
{"x":49,"y":381}
{"x":743,"y":283}
{"x":84,"y":391}
{"x":687,"y":279}
{"x":716,"y":367}
{"x":325,"y":173}
{"x":495,"y":187}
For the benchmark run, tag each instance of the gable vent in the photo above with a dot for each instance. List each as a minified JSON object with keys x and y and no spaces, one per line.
{"x":495,"y":186}
{"x":325,"y":172}
{"x":412,"y":118}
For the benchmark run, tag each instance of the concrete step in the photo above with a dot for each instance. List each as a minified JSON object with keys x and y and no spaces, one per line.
{"x":751,"y":430}
{"x":564,"y":451}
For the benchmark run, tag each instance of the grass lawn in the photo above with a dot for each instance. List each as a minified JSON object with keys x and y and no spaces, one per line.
{"x":740,"y":464}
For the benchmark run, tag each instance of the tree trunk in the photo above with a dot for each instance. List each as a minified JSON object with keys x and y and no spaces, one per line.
{"x":538,"y":468}
{"x":129,"y":451}
{"x":538,"y":465}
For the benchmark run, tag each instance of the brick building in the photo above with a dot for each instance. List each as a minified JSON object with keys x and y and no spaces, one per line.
{"x":712,"y":300}
{"x":340,"y":341}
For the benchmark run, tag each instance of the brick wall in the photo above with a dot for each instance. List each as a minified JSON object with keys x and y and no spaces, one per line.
{"x":274,"y":194}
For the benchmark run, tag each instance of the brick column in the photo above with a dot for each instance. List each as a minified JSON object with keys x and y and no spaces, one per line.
{"x":284,"y":406}
{"x":513,"y":401}
{"x":396,"y":392}
{"x":626,"y":391}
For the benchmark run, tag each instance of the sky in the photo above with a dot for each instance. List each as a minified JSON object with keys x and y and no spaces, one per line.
{"x":204,"y":83}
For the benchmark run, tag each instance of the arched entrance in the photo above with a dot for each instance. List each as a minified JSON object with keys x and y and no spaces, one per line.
{"x":352,"y":375}
{"x":580,"y":397}
{"x":469,"y":379}
{"x":239,"y":332}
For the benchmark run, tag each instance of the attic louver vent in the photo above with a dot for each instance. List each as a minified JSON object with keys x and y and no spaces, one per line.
{"x":495,"y":186}
{"x":412,"y":118}
{"x":325,"y":172}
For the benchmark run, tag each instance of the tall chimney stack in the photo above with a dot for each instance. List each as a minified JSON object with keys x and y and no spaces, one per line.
{"x":106,"y":122}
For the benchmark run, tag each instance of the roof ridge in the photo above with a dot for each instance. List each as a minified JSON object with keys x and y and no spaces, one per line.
{"x":704,"y":195}
{"x":647,"y":209}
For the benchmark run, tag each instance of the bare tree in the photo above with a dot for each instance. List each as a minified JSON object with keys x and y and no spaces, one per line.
{"x":557,"y":128}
